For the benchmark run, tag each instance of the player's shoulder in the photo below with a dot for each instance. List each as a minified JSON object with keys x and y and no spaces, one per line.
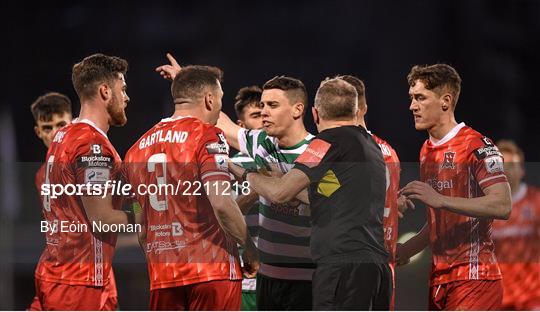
{"x":79,"y":134}
{"x":533,"y":192}
{"x":479,"y":145}
{"x":382,"y":141}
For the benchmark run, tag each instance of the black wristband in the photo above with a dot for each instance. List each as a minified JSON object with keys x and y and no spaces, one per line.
{"x":130,"y":216}
{"x":246,"y":172}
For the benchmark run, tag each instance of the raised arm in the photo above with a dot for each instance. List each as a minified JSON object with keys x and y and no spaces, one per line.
{"x":230,"y":129}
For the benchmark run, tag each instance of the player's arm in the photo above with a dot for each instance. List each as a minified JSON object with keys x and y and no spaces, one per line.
{"x":100,"y":209}
{"x":279,"y":190}
{"x":301,"y":195}
{"x":232,"y":222}
{"x":496,"y":203}
{"x":413,"y":246}
{"x":246,"y":202}
{"x":230,"y":129}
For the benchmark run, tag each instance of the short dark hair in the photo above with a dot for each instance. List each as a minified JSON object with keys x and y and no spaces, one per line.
{"x":295,"y":89}
{"x":358,"y":84}
{"x":48,"y":104}
{"x":336,"y":99}
{"x":436,"y":78}
{"x":191,"y":82}
{"x":94,"y":70}
{"x":246,"y":96}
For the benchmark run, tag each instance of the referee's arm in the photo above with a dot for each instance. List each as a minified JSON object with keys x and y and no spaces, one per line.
{"x":279,"y":190}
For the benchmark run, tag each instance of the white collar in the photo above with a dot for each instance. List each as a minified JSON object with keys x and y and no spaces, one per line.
{"x":449,"y":136}
{"x":520,"y":194}
{"x":168,"y":119}
{"x":91,"y":123}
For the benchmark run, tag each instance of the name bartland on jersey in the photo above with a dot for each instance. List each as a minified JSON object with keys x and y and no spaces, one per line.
{"x":170,"y":137}
{"x":78,"y":227}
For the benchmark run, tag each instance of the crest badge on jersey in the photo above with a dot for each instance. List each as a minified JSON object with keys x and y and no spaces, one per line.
{"x":448,"y":162}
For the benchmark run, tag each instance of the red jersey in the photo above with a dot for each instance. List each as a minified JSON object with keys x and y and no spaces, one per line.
{"x":462,"y":164}
{"x":390,"y":217}
{"x":185,"y":243}
{"x":79,"y":154}
{"x":518,"y":250}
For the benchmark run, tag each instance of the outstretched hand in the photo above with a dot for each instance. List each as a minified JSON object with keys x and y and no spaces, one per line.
{"x":169,"y":71}
{"x":403,"y":205}
{"x":424,"y":193}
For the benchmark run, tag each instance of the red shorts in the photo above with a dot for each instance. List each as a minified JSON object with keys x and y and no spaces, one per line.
{"x":466,"y":295}
{"x":56,"y":296}
{"x":213,"y":295}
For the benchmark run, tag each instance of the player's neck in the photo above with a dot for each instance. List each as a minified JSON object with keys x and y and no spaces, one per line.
{"x":329,"y":124}
{"x":191,"y":110}
{"x":94,"y":113}
{"x":441,"y":129}
{"x":294,"y":136}
{"x":362,"y":122}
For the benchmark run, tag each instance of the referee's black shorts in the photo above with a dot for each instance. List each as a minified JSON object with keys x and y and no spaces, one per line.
{"x":352,"y":286}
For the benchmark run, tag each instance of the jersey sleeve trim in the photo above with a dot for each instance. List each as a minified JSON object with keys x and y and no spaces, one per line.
{"x":215,"y":176}
{"x":493,"y":180}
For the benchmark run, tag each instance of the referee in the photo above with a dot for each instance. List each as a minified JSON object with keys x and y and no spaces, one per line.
{"x":345,"y":174}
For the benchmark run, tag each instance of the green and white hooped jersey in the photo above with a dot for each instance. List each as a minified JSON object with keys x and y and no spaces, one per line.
{"x":284,"y":229}
{"x":252,"y":217}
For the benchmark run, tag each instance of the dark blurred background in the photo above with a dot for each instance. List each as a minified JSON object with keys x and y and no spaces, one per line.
{"x":494,"y":45}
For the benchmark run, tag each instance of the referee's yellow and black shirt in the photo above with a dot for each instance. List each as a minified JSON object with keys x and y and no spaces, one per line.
{"x":347,"y":192}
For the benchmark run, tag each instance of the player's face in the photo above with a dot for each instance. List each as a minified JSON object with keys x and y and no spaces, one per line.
{"x":45,"y":130}
{"x":277,"y":112}
{"x":513,"y":168}
{"x":426,"y":106}
{"x":118,"y":103}
{"x":252,"y":118}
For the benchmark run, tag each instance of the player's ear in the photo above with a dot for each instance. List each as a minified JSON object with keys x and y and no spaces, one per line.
{"x":315,"y":113}
{"x":446,"y":102}
{"x":298,"y":110}
{"x":37,"y":131}
{"x":240,"y":123}
{"x":208,"y":101}
{"x":104,"y":92}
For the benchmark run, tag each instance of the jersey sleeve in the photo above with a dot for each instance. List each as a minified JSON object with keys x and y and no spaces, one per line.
{"x":487,"y":163}
{"x":247,"y":141}
{"x":317,"y":158}
{"x":94,"y":162}
{"x":213,"y":156}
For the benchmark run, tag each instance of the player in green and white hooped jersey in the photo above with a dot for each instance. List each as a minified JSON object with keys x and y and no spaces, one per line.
{"x":248,"y":113}
{"x":284,"y":278}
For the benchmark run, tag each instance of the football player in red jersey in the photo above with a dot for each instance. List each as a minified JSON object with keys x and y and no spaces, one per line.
{"x":51,"y":112}
{"x":516,"y":240}
{"x":190,"y":234}
{"x":74,"y":271}
{"x":391,"y":212}
{"x":462,"y":182}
